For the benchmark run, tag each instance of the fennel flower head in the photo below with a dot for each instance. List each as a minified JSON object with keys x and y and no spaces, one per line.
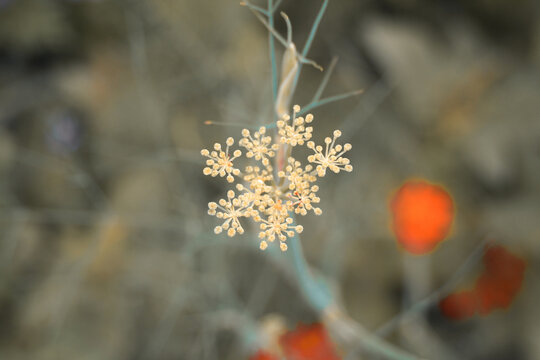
{"x":275,"y":185}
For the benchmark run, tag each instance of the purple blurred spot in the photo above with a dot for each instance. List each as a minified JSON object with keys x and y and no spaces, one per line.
{"x":4,"y":3}
{"x":64,"y":132}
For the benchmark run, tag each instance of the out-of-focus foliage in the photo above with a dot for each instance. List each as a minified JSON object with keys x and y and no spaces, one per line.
{"x":106,"y":251}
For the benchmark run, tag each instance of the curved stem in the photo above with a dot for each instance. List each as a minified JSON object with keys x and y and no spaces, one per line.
{"x":316,"y":293}
{"x":321,"y":299}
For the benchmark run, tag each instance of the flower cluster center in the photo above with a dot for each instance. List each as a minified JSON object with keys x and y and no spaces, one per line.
{"x":271,"y":197}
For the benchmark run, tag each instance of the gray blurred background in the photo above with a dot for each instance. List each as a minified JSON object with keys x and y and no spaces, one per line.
{"x":106,"y":251}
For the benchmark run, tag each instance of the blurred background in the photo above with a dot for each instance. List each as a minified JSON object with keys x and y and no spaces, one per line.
{"x":106,"y":251}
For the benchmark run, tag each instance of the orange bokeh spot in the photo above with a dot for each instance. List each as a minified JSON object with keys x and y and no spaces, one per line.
{"x":308,"y":343}
{"x":262,"y":355}
{"x":422,"y":215}
{"x":495,"y":288}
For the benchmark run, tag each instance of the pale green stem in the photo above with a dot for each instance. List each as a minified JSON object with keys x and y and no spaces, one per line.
{"x":316,"y":293}
{"x":307,"y":46}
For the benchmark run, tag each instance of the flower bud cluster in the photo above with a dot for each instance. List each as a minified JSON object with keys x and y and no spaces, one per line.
{"x":267,"y":196}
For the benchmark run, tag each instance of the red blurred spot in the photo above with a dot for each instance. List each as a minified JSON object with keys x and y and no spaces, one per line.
{"x":495,"y":288}
{"x":502,"y":264}
{"x":501,"y":281}
{"x":262,"y":355}
{"x":308,"y":343}
{"x":459,"y":306}
{"x":422,"y":214}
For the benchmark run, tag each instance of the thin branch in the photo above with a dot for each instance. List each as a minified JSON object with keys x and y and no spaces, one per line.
{"x":276,"y":5}
{"x":289,"y":27}
{"x":325,"y":80}
{"x":269,"y":27}
{"x":318,"y":295}
{"x":329,"y":100}
{"x":445,"y":289}
{"x":366,"y":108}
{"x":311,"y":36}
{"x":314,"y":28}
{"x":353,"y":333}
{"x":255,"y":7}
{"x":239,"y":124}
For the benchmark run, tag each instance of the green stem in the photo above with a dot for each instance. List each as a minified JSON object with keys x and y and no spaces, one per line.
{"x":328,"y":100}
{"x":316,"y":293}
{"x":307,"y":46}
{"x":320,"y":298}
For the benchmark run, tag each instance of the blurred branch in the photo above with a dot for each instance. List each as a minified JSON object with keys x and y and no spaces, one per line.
{"x":82,"y":178}
{"x":325,"y":80}
{"x":356,"y":335}
{"x":444,"y":290}
{"x":369,"y":105}
{"x":307,"y":45}
{"x":329,"y":100}
{"x":257,"y":8}
{"x":316,"y":293}
{"x":320,"y":298}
